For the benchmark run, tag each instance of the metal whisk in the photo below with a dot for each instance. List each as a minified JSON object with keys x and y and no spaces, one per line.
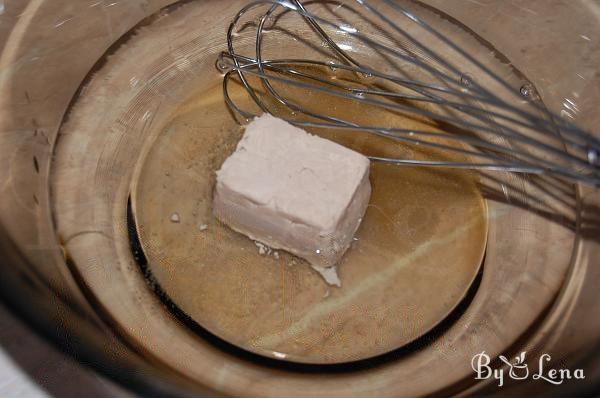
{"x":393,"y":58}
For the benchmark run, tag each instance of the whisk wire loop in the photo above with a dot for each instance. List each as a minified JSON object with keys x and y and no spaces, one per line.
{"x":504,"y":134}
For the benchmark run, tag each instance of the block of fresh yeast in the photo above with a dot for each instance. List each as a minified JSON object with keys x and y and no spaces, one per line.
{"x":293,"y":191}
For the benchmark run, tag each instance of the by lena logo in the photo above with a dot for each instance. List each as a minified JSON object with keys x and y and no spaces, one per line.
{"x":519,"y":370}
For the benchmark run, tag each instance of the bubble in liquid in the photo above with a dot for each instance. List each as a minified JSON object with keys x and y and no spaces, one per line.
{"x":466,"y":80}
{"x":222,"y":65}
{"x":332,"y":66}
{"x":359,"y":94}
{"x":367,"y":75}
{"x":528,"y":91}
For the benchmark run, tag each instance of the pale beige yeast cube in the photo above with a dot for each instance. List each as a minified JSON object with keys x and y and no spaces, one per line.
{"x":293,"y":191}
